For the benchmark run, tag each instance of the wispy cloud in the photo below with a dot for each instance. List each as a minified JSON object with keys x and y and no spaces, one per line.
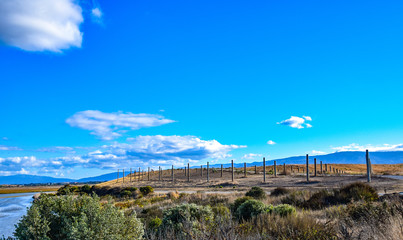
{"x":96,"y":14}
{"x":357,"y":147}
{"x":315,"y":152}
{"x":9,"y":148}
{"x":271,"y":142}
{"x":57,"y":149}
{"x":297,"y":122}
{"x":108,"y":126}
{"x":250,"y":156}
{"x":41,"y":25}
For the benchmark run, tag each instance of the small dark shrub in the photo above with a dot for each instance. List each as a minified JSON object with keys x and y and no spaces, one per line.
{"x":249,"y":209}
{"x":146,"y":190}
{"x":284,"y":210}
{"x":279,"y":191}
{"x":125,"y":193}
{"x":155,"y":223}
{"x":356,"y":192}
{"x":238,"y":202}
{"x":256,"y":193}
{"x":86,"y":189}
{"x":320,"y":200}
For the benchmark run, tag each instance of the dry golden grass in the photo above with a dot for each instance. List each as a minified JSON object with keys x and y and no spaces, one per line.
{"x":9,"y":190}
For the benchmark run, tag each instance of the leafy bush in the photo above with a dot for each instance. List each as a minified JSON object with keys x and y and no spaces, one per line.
{"x":86,"y":189}
{"x":82,"y":217}
{"x":146,"y":190}
{"x":238,"y":202}
{"x":320,"y":200}
{"x":249,"y":209}
{"x":284,"y":210}
{"x":356,"y":192}
{"x":155,"y":223}
{"x":221,"y":212}
{"x":256,"y":193}
{"x":67,"y":189}
{"x":125,"y":193}
{"x":279,"y":191}
{"x":182,"y":217}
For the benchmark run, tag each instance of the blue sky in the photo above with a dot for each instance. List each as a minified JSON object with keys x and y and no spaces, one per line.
{"x":161,"y":82}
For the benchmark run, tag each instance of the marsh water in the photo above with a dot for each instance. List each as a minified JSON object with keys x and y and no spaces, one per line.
{"x":12,"y":208}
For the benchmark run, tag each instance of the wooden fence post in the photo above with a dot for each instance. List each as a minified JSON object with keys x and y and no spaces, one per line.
{"x":284,"y":168}
{"x":139,"y":174}
{"x":307,"y":168}
{"x":148,"y":174}
{"x":159,"y":173}
{"x":314,"y":167}
{"x":208,"y":179}
{"x":188,"y":173}
{"x":264,"y":169}
{"x":221,"y":170}
{"x":321,"y":168}
{"x":172,"y":174}
{"x":244,"y":169}
{"x":275,"y":168}
{"x":201,"y":170}
{"x":368,"y":166}
{"x":232,"y":170}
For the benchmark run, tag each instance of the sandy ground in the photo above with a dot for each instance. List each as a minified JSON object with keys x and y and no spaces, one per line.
{"x":241,"y":183}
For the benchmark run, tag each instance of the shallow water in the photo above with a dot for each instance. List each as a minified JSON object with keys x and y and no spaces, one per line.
{"x":12,"y":208}
{"x":394,"y":176}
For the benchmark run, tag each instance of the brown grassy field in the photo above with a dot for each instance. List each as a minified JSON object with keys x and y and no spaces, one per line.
{"x":295,"y":179}
{"x":25,"y":189}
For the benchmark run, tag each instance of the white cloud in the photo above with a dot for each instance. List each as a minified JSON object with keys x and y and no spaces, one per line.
{"x":5,"y":138}
{"x":270,"y":142}
{"x":314,"y":152}
{"x":9,"y":148}
{"x":96,"y":14}
{"x":251,"y":156}
{"x":109,"y":126}
{"x":141,"y":151}
{"x":357,"y":147}
{"x":297,"y":122}
{"x":41,"y":25}
{"x":57,"y":149}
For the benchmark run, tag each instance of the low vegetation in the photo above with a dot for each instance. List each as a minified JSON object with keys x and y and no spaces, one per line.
{"x":354,"y":211}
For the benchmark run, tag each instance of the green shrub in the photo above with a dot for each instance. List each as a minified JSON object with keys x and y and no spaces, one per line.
{"x":146,"y":190}
{"x":320,"y":200}
{"x":238,"y":202}
{"x":279,"y":191}
{"x":155,"y":223}
{"x":82,"y":217}
{"x":221,"y":212}
{"x":256,"y":193}
{"x":125,"y":193}
{"x":356,"y":192}
{"x":249,"y":209}
{"x":86,"y":189}
{"x":185,"y":217}
{"x":284,"y":210}
{"x":67,"y":189}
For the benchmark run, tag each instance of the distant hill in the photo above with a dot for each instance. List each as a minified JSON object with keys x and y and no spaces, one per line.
{"x":338,"y":157}
{"x":27,"y":179}
{"x":34,"y":179}
{"x":100,"y":178}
